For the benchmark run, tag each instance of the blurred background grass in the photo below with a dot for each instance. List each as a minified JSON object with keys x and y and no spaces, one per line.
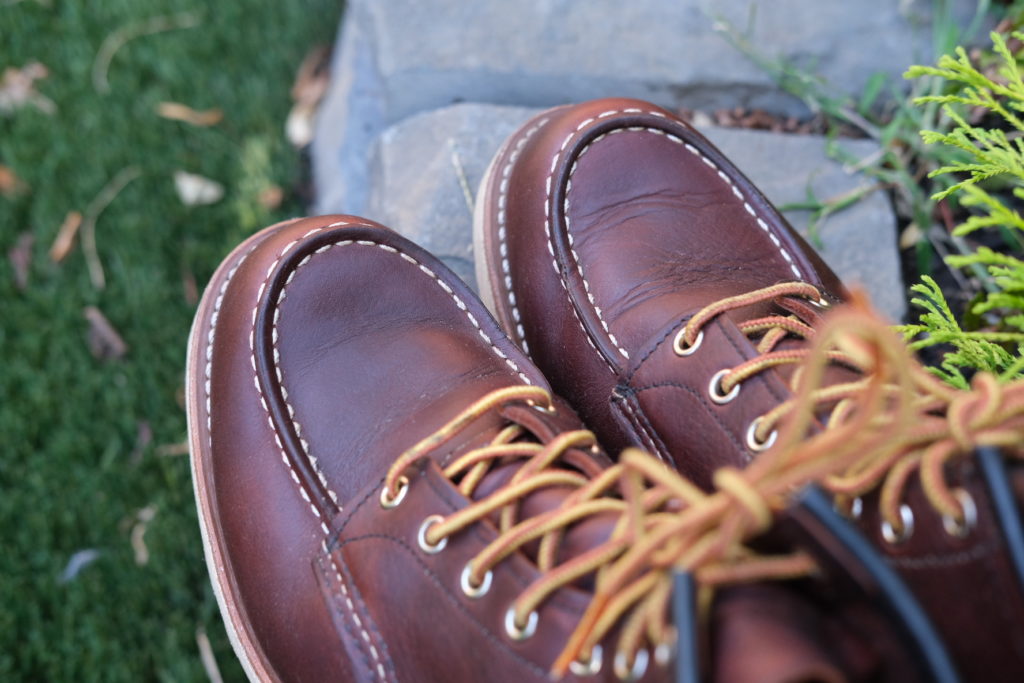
{"x":79,"y":470}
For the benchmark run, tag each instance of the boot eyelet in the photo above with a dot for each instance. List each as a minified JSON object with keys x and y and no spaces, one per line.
{"x":855,"y":511}
{"x":634,"y":672}
{"x":822,"y":303}
{"x":753,"y":443}
{"x":471,"y":591}
{"x":894,"y":537}
{"x":678,"y":345}
{"x":960,"y":529}
{"x":387,"y":502}
{"x":513,"y":630}
{"x":715,"y":388}
{"x":547,"y":410}
{"x":421,"y":537}
{"x":591,"y":666}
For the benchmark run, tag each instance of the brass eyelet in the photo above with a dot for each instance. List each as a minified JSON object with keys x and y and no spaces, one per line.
{"x":890,"y":534}
{"x":634,"y":672}
{"x":663,"y":654}
{"x":752,"y":441}
{"x":960,"y":529}
{"x":387,"y":502}
{"x":471,"y":591}
{"x":513,"y":630}
{"x":677,"y":343}
{"x":547,"y":410}
{"x":421,"y":537}
{"x":715,"y":388}
{"x":855,"y":511}
{"x":591,"y":666}
{"x":821,"y":303}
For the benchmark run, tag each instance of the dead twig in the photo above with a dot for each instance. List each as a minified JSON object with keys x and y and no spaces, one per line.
{"x":92,"y":214}
{"x":460,"y":174}
{"x":119,"y":38}
{"x":206,"y":657}
{"x":175,"y":111}
{"x":104,"y":341}
{"x":65,"y":236}
{"x":20,"y":256}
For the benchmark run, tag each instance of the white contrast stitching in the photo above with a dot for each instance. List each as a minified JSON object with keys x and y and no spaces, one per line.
{"x":579,"y":265}
{"x":520,"y":333}
{"x":355,"y":617}
{"x":447,"y":290}
{"x":280,"y":378}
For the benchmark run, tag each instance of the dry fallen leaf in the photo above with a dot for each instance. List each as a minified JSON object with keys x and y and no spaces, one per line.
{"x":77,"y":562}
{"x":181,"y":112}
{"x":189,"y":287}
{"x":172,"y":449}
{"x":10,"y":184}
{"x":196,"y":190}
{"x":17,"y":89}
{"x":271,"y":197}
{"x":207,"y":657}
{"x":143,"y":437}
{"x":65,"y":236}
{"x":310,"y":85}
{"x":104,"y":341}
{"x":143,"y":518}
{"x":20,"y":256}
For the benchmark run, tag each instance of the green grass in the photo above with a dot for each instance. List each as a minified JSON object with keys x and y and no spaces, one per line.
{"x":68,"y":422}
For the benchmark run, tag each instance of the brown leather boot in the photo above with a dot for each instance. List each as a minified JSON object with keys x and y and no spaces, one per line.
{"x":387,"y":490}
{"x":601,"y":229}
{"x":934,"y":476}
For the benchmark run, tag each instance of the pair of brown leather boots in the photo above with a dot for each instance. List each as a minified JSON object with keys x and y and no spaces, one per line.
{"x":390,"y":488}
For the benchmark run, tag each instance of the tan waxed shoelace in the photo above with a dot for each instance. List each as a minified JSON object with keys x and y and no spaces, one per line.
{"x":767,"y":333}
{"x":898,"y":420}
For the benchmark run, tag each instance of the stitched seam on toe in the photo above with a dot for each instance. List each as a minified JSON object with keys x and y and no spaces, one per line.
{"x":277,"y":356}
{"x":565,"y":207}
{"x":506,"y":271}
{"x":259,"y":389}
{"x":379,"y":665}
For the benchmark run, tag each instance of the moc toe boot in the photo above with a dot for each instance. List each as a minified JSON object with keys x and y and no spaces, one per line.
{"x":388,"y":491}
{"x":601,"y":229}
{"x":323,"y":349}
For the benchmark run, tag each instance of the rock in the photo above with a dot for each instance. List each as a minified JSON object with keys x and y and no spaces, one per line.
{"x":423,"y":168}
{"x":400,"y":57}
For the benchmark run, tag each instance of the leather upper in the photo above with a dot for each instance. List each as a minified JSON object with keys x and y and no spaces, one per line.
{"x":605,"y":226}
{"x":323,"y":349}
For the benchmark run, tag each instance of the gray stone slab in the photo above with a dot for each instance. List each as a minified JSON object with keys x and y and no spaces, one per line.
{"x":400,"y":57}
{"x":423,"y":168}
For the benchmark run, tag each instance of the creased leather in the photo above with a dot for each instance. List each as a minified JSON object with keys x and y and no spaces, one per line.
{"x":616,"y":222}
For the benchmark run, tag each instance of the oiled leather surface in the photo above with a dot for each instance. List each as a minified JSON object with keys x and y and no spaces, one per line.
{"x":967,"y":584}
{"x":606,"y":226}
{"x":331,"y":345}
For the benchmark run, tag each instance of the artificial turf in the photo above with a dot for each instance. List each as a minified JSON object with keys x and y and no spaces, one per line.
{"x":72,"y":477}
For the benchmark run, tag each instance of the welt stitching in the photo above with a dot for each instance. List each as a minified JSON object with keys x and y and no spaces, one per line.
{"x":358,"y":622}
{"x":661,"y":450}
{"x":444,"y":286}
{"x":336,"y":607}
{"x":298,"y":429}
{"x":503,"y":234}
{"x":642,"y":427}
{"x":259,"y":389}
{"x":550,"y":235}
{"x":565,"y":209}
